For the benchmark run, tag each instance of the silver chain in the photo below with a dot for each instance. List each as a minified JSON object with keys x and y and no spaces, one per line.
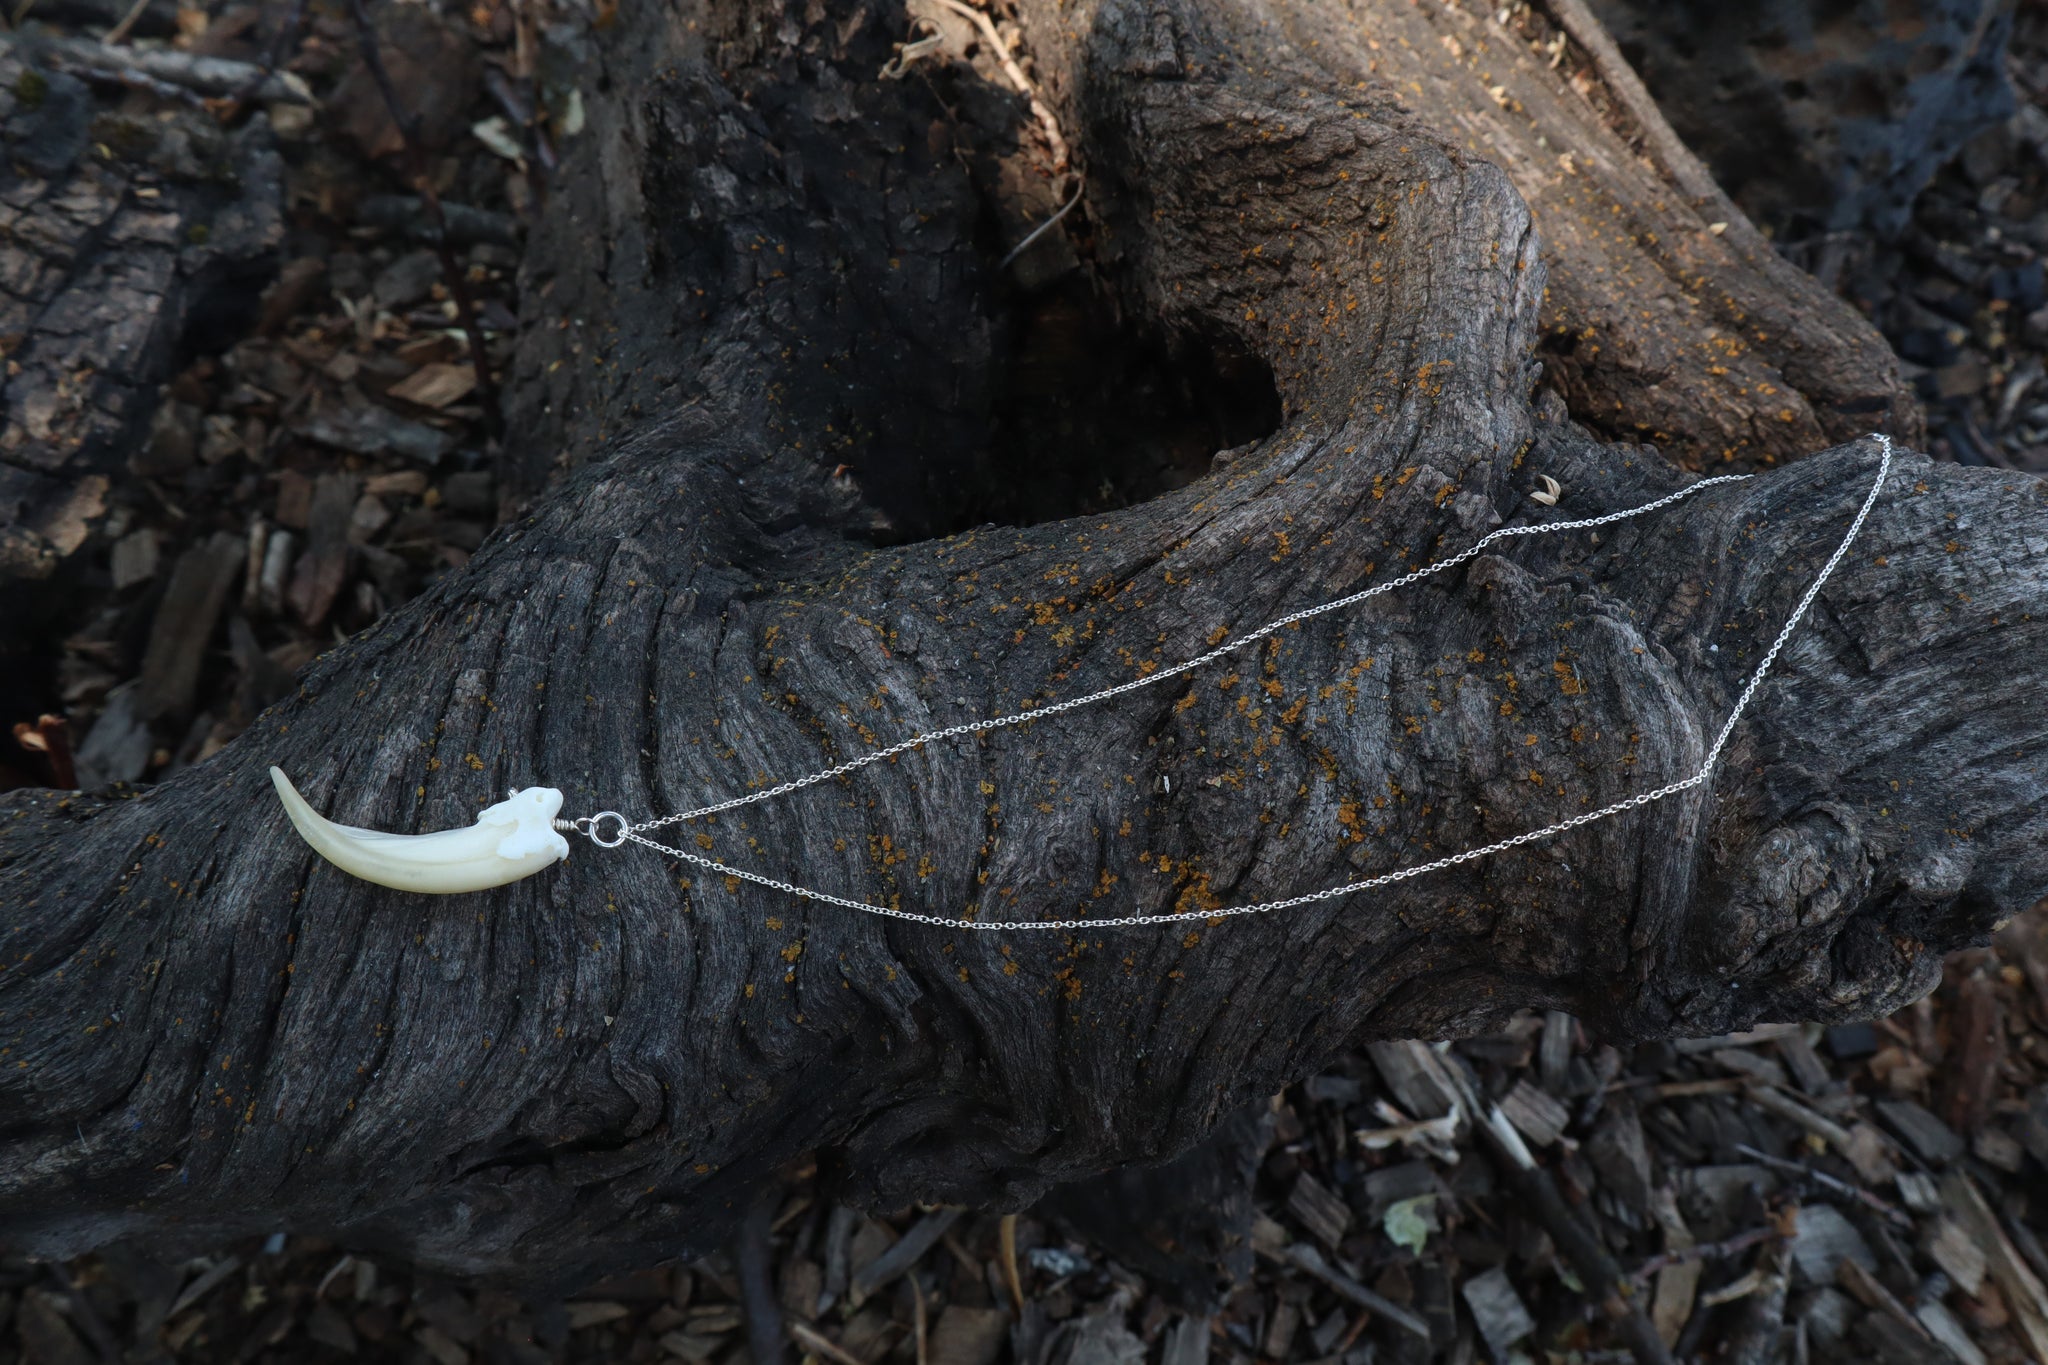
{"x":589,"y":825}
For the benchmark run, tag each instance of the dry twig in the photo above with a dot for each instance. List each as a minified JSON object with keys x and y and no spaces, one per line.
{"x":1001,"y":51}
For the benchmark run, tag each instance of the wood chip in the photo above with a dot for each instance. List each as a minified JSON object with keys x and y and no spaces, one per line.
{"x":135,"y":558}
{"x":1554,"y":1053}
{"x":696,"y":1346}
{"x":1269,"y":1238}
{"x":1415,"y":1074}
{"x":1763,"y":1033}
{"x":1958,"y":1255}
{"x":1326,"y":1217}
{"x":183,"y":629}
{"x":441,"y":1346}
{"x":1999,"y":1149}
{"x":46,"y":1333}
{"x":813,"y":1341}
{"x":1934,"y":1140}
{"x":1919,"y":1192}
{"x":592,"y":1312}
{"x":207,"y":1282}
{"x":1871,"y":1155}
{"x":1187,"y":1342}
{"x":365,"y":428}
{"x":1672,"y":1299}
{"x":1824,"y":1239}
{"x":1497,"y":1310}
{"x":323,"y":570}
{"x":1808,"y":1071}
{"x":409,"y":483}
{"x":367,"y":518}
{"x":326,"y":1325}
{"x":1752,"y":1064}
{"x":1944,"y":1328}
{"x":1677,"y":1286}
{"x":1865,"y":1289}
{"x":968,"y":1336}
{"x":2023,"y":1292}
{"x":1785,"y":1107}
{"x":906,"y":1252}
{"x":1536,"y":1113}
{"x":1280,"y":1329}
{"x":436,"y":385}
{"x":294,"y":499}
{"x":1977,"y":1054}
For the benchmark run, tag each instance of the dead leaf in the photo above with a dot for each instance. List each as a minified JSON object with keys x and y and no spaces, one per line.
{"x":436,"y":385}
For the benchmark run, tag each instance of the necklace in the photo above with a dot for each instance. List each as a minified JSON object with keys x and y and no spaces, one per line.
{"x":519,"y":836}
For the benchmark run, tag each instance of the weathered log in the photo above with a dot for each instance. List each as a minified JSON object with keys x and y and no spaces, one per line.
{"x":124,"y":240}
{"x":204,"y":1030}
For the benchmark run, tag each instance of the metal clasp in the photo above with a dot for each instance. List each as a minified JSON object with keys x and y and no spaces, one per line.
{"x":586,"y":825}
{"x":590,"y":827}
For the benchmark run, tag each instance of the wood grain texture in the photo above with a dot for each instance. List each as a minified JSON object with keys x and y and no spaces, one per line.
{"x":204,"y":1030}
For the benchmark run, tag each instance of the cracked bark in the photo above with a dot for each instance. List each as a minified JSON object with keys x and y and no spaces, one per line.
{"x":766,"y":264}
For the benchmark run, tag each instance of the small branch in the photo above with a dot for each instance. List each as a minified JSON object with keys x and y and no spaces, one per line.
{"x":119,"y":32}
{"x":1010,"y":1275}
{"x":1618,"y":1295}
{"x":811,"y":1339}
{"x":1305,"y":1257}
{"x":920,"y":1320}
{"x":1856,"y":1192}
{"x":1705,"y":1251}
{"x":1042,"y":228}
{"x":423,"y":183}
{"x":285,"y":40}
{"x":212,"y":76}
{"x":1754,"y":1338}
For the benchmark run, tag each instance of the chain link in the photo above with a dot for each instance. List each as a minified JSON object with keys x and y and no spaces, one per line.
{"x":588,"y":825}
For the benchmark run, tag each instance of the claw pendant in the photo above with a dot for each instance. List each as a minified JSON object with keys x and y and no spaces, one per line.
{"x":513,"y":839}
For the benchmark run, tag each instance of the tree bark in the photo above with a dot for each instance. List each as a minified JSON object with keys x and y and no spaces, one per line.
{"x":122,"y":239}
{"x":767,"y":264}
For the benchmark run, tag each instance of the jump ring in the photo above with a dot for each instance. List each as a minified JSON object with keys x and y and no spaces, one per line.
{"x":599,"y":839}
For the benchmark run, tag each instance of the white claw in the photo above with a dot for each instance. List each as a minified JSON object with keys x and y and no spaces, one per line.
{"x":513,"y":839}
{"x":1551,"y":489}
